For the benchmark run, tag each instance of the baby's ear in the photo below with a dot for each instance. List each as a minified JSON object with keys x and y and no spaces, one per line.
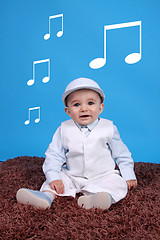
{"x":101,"y":108}
{"x":67,"y":111}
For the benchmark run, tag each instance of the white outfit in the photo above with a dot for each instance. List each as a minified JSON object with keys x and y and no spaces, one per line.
{"x":90,"y":167}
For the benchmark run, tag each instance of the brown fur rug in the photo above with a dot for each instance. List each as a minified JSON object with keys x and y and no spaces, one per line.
{"x":135,"y":217}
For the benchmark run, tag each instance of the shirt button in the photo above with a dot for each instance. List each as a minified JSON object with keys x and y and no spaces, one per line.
{"x":86,"y":173}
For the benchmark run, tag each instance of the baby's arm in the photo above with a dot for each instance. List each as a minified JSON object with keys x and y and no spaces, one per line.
{"x":58,"y":186}
{"x":123,"y":158}
{"x":131,"y":184}
{"x":55,"y":158}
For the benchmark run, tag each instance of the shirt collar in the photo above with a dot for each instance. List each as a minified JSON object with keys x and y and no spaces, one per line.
{"x":90,"y":126}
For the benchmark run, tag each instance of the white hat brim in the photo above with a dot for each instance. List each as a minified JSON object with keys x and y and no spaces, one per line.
{"x":66,"y":93}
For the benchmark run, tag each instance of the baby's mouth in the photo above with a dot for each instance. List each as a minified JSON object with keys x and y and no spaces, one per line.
{"x":84,"y":116}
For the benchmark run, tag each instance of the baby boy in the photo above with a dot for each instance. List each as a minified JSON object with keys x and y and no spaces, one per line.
{"x":82,"y":155}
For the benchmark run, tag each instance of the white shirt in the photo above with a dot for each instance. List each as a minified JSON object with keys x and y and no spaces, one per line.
{"x":55,"y":155}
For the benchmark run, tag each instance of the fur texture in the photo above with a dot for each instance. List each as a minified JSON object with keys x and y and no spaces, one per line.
{"x":135,"y":217}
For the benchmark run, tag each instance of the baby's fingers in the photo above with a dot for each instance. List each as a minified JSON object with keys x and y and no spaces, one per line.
{"x":59,"y":188}
{"x":131,"y":184}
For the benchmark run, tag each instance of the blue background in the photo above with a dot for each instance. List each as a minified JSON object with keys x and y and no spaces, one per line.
{"x":132,"y":90}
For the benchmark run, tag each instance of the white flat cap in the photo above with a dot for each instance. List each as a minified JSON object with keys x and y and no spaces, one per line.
{"x":82,"y":83}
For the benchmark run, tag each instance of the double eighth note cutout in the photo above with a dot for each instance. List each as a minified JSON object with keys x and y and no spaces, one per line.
{"x":95,"y":63}
{"x":131,"y":58}
{"x":60,"y":33}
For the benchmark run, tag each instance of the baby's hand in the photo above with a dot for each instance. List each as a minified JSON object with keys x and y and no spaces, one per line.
{"x":58,"y":186}
{"x":131,"y":184}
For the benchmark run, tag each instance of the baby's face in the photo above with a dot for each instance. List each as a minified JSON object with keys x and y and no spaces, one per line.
{"x":84,"y":106}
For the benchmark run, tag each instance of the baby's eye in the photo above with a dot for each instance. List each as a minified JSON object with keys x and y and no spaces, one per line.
{"x":76,"y":104}
{"x":90,"y":103}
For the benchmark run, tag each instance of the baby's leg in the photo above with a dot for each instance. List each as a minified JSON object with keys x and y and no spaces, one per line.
{"x":35,"y":198}
{"x":104,"y":191}
{"x":69,"y":187}
{"x":45,"y":197}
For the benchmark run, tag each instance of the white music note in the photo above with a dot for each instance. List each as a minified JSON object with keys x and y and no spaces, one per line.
{"x":37,"y":120}
{"x":60,"y":33}
{"x":131,"y":58}
{"x":46,"y":78}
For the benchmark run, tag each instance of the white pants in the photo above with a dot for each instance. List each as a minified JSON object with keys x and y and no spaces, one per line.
{"x":110,"y":182}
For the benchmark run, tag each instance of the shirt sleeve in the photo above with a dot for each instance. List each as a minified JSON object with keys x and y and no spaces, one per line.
{"x":55,"y":158}
{"x":122,"y":156}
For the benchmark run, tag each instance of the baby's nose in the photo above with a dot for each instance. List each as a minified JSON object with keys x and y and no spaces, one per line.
{"x":84,"y":108}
